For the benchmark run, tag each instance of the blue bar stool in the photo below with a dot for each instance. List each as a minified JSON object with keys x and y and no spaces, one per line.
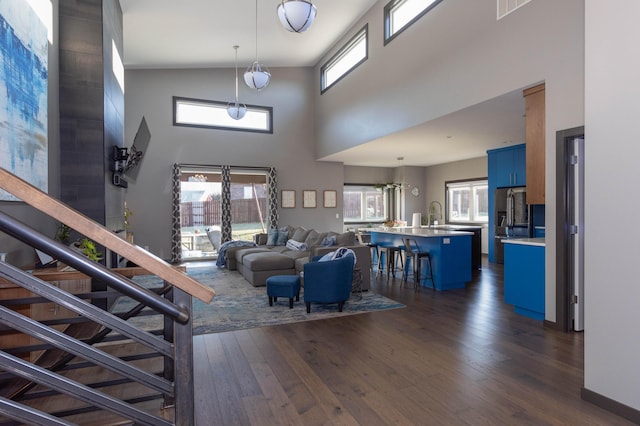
{"x":416,"y":256}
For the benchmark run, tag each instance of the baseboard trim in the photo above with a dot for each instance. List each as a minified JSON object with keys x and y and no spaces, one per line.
{"x":609,"y":404}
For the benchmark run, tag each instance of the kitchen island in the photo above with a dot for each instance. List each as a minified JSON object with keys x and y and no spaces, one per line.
{"x":476,"y":240}
{"x":450,"y":252}
{"x":524,"y":275}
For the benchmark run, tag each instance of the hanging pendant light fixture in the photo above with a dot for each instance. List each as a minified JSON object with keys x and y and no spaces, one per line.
{"x":235,"y":109}
{"x":296,"y":15}
{"x":257,"y":76}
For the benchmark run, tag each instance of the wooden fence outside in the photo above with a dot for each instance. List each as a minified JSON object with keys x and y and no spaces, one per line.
{"x":207,"y":213}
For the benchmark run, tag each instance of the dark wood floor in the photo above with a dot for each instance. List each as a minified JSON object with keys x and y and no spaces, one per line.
{"x":457,"y":357}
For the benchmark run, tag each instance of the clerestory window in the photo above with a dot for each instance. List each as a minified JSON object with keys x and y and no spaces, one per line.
{"x":213,"y":115}
{"x":401,"y":14}
{"x":349,"y":57}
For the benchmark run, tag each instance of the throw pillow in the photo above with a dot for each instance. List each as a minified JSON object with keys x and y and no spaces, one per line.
{"x":283,"y":236}
{"x":272,"y":237}
{"x":290,"y":230}
{"x":329,"y":240}
{"x":311,"y":236}
{"x":300,"y":234}
{"x":314,"y":238}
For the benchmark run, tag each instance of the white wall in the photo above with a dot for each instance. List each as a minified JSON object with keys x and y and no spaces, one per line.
{"x":290,"y":149}
{"x":612,"y":293}
{"x":457,"y":56}
{"x":410,"y":177}
{"x":367,"y":175}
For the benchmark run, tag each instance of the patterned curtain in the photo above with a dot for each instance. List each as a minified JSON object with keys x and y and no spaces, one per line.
{"x":226,"y":204}
{"x":272,"y":198}
{"x":176,"y":235}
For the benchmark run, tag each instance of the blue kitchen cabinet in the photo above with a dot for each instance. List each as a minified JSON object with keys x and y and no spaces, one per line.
{"x":510,"y":166}
{"x":506,"y":168}
{"x":520,"y":166}
{"x":524,"y":283}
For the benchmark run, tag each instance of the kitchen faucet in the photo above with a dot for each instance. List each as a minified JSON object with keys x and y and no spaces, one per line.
{"x":435,"y":212}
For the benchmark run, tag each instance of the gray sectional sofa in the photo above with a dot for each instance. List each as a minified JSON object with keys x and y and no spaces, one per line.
{"x":284,"y":251}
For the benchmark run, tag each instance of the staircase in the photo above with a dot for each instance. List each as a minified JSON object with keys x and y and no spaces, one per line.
{"x":91,"y":365}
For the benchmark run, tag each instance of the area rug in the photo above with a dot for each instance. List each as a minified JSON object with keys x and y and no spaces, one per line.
{"x":238,"y":305}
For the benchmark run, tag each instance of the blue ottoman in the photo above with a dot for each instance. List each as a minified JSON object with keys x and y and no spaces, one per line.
{"x":283,"y":286}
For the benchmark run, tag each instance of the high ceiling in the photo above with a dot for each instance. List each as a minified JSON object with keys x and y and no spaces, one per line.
{"x":201,"y":33}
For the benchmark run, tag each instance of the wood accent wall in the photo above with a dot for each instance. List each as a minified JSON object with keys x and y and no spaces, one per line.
{"x":535,"y":140}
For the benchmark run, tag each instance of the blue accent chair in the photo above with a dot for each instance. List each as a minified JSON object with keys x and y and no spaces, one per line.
{"x":328,"y":281}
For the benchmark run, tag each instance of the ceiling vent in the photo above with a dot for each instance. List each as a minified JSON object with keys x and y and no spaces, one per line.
{"x":505,"y":7}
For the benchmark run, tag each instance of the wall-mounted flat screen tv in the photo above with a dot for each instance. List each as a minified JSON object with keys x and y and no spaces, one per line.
{"x":137,"y":152}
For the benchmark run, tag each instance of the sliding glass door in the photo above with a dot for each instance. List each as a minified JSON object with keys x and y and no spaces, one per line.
{"x":248,"y":204}
{"x":200,"y":211}
{"x":201,"y":208}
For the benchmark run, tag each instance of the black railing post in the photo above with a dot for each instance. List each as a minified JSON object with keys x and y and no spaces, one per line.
{"x":180,"y":369}
{"x":169,"y":365}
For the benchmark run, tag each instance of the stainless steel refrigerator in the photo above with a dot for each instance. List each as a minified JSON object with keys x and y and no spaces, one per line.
{"x":511,"y":217}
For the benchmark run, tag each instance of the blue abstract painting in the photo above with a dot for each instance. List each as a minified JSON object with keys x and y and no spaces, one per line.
{"x":23,"y":94}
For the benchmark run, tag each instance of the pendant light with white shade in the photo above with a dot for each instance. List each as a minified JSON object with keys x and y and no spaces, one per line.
{"x":257,"y":76}
{"x":296,"y":15}
{"x":235,"y":109}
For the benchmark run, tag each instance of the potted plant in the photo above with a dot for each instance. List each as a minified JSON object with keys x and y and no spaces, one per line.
{"x":89,"y":249}
{"x":127,"y":223}
{"x":63,"y":234}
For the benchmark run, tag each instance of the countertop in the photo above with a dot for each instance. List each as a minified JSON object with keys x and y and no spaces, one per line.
{"x":453,"y":227}
{"x":419,"y":232}
{"x":524,"y":241}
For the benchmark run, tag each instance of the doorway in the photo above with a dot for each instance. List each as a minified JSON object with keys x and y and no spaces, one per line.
{"x":201,"y":208}
{"x":570,"y":235}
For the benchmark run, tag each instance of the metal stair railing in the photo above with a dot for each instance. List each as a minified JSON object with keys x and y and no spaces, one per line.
{"x":25,"y":414}
{"x":77,"y":390}
{"x":98,"y":233}
{"x":60,"y":340}
{"x":61,"y":362}
{"x":176,"y":346}
{"x":66,"y":255}
{"x":173,"y":355}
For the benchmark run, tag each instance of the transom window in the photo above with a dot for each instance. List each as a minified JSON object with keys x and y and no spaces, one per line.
{"x":213,"y":115}
{"x":468,"y":201}
{"x":347,"y":59}
{"x":505,"y":7}
{"x":364,"y":203}
{"x":400,"y":14}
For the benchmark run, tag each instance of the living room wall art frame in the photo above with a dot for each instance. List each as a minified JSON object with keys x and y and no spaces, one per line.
{"x":309,"y":199}
{"x":24,"y":73}
{"x":330,"y":199}
{"x":288,"y":199}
